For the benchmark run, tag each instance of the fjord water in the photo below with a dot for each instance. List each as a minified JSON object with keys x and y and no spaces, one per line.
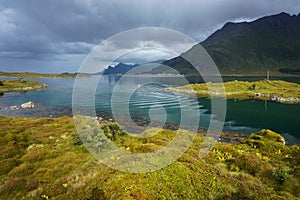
{"x":245,"y":116}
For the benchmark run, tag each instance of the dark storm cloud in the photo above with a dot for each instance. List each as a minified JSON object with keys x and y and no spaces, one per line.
{"x":56,"y":29}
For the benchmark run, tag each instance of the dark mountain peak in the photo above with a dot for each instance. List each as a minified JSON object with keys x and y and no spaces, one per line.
{"x":279,"y":16}
{"x":283,"y":14}
{"x":283,"y":23}
{"x":229,"y":24}
{"x":235,"y":26}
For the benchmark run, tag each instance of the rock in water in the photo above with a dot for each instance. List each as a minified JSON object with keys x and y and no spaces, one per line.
{"x":29,"y":104}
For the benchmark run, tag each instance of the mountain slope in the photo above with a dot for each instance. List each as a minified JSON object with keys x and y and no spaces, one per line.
{"x":269,"y":43}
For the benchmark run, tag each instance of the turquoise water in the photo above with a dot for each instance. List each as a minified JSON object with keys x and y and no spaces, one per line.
{"x":245,"y":116}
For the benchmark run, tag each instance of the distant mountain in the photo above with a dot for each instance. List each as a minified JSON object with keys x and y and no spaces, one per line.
{"x":123,"y":68}
{"x":120,"y":68}
{"x":269,"y":43}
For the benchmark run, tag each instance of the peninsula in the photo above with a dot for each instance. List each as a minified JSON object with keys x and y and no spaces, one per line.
{"x":266,"y":90}
{"x":20,"y":85}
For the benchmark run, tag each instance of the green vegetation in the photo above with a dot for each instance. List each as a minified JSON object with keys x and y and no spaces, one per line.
{"x":38,"y":75}
{"x":275,"y":90}
{"x":20,"y":85}
{"x":45,"y":159}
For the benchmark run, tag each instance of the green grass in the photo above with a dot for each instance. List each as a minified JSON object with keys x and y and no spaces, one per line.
{"x":261,"y":90}
{"x":44,"y":159}
{"x":20,"y":85}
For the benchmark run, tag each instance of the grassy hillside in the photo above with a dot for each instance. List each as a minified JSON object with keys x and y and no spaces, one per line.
{"x":20,"y":85}
{"x":273,"y":90}
{"x":44,"y":159}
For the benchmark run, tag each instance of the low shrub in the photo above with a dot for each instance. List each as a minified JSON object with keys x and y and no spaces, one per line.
{"x":282,"y":174}
{"x":249,"y":163}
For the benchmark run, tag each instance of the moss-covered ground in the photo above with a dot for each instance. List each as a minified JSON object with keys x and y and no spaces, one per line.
{"x":45,"y":159}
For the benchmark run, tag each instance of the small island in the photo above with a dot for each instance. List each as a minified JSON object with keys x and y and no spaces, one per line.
{"x":20,"y":85}
{"x":266,"y":90}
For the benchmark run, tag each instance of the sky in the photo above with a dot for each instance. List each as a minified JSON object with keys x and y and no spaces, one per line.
{"x":56,"y":36}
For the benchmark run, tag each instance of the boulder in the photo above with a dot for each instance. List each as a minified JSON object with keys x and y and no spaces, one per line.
{"x":29,"y":104}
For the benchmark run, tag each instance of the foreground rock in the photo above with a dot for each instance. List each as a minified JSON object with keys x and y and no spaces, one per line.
{"x":29,"y":104}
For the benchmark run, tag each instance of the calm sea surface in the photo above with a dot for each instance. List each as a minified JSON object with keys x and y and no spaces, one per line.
{"x":245,"y":116}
